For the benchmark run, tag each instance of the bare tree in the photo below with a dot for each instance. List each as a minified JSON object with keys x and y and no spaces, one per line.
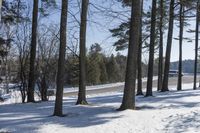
{"x":46,"y":63}
{"x":22,"y":42}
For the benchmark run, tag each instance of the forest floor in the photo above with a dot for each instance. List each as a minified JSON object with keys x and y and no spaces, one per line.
{"x":169,"y":112}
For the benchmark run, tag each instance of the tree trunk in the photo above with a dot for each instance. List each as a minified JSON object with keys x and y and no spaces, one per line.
{"x":151,"y":51}
{"x":61,"y":60}
{"x":44,"y":89}
{"x":82,"y":56}
{"x":160,"y":64}
{"x":0,"y":9}
{"x":196,"y":46}
{"x":23,"y":82}
{"x":31,"y":83}
{"x":169,"y":45}
{"x":128,"y":101}
{"x":181,"y":21}
{"x":139,"y":73}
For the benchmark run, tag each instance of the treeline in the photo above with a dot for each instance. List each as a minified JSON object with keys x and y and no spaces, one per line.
{"x":100,"y":69}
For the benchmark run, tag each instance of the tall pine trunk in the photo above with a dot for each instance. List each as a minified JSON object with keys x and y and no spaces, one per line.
{"x":139,"y":74}
{"x":151,"y":51}
{"x":169,"y":45}
{"x":31,"y":81}
{"x":160,"y":64}
{"x":61,"y":60}
{"x":82,"y":56}
{"x":196,"y":45}
{"x":0,"y":9}
{"x":128,"y":101}
{"x":181,"y":23}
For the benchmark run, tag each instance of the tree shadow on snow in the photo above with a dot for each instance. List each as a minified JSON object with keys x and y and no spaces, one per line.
{"x":29,"y":117}
{"x":180,"y":123}
{"x":171,"y":99}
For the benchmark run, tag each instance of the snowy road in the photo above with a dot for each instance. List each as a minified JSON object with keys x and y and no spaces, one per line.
{"x":120,"y":86}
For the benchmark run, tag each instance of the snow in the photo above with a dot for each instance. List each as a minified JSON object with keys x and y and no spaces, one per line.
{"x":169,"y":112}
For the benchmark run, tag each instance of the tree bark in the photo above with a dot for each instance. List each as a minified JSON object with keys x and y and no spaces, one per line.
{"x":82,"y":56}
{"x":31,"y":82}
{"x":168,"y":49}
{"x":160,"y":64}
{"x":181,"y":23}
{"x":151,"y":51}
{"x":61,"y":61}
{"x":128,"y":101}
{"x":0,"y":9}
{"x":44,"y":88}
{"x":196,"y":46}
{"x":139,"y":73}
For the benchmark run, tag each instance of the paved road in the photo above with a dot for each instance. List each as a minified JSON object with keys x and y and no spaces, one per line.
{"x":172,"y":82}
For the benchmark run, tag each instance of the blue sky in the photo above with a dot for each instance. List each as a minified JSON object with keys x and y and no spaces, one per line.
{"x":99,"y":23}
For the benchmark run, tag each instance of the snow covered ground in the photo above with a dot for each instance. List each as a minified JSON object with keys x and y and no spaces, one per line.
{"x":169,"y":112}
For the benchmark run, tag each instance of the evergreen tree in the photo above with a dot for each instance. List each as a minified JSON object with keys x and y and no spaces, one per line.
{"x":94,"y":71}
{"x":103,"y":71}
{"x":196,"y":42}
{"x":121,"y":61}
{"x":72,"y":70}
{"x":151,"y":51}
{"x":31,"y":81}
{"x":82,"y":56}
{"x":139,"y":73}
{"x":168,"y":49}
{"x":181,"y":24}
{"x":113,"y":70}
{"x":60,"y":74}
{"x":128,"y":101}
{"x":96,"y":65}
{"x":160,"y":68}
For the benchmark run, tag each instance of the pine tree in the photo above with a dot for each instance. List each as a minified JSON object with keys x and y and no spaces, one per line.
{"x":103,"y":71}
{"x":31,"y":81}
{"x":196,"y":42}
{"x":113,"y":70}
{"x":82,"y":58}
{"x":60,"y":74}
{"x":139,"y":73}
{"x":160,"y":64}
{"x":72,"y":70}
{"x":128,"y":101}
{"x":168,"y":49}
{"x":121,"y":61}
{"x":93,"y":69}
{"x":151,"y":51}
{"x":181,"y":24}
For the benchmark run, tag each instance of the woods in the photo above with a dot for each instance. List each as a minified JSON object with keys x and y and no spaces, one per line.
{"x":40,"y":57}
